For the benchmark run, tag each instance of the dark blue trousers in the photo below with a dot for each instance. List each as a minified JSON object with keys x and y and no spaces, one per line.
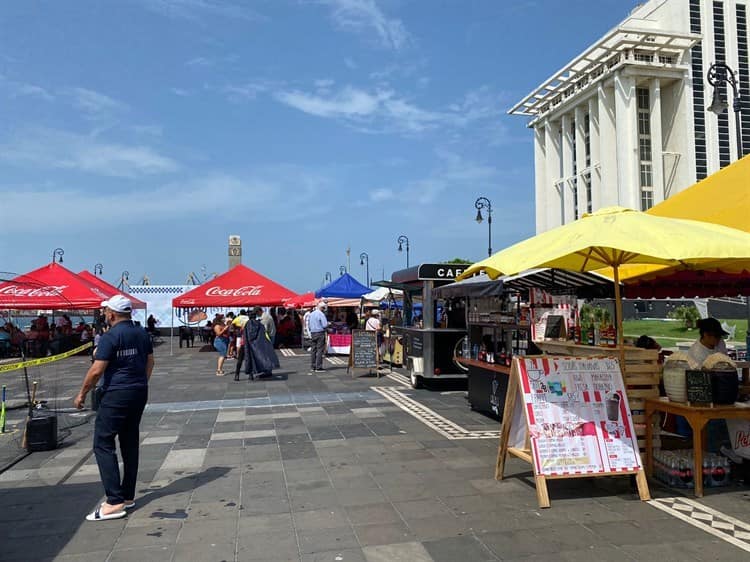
{"x":119,"y":415}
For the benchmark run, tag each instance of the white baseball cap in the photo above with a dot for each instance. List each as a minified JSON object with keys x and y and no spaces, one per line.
{"x":118,"y":303}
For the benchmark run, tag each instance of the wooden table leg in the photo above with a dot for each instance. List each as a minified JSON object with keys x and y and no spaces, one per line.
{"x":697,"y":423}
{"x":649,"y":442}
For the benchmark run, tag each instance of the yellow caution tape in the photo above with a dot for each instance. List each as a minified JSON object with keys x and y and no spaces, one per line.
{"x":43,"y":360}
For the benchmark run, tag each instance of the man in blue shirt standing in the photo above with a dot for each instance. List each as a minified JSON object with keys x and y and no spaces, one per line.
{"x":124,"y":359}
{"x":318,"y":324}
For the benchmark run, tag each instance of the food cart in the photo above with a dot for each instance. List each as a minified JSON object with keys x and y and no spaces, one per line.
{"x":505,"y":318}
{"x":429,"y":339}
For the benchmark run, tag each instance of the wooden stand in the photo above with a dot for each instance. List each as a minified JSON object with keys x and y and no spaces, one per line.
{"x":697,"y":417}
{"x":512,"y":415}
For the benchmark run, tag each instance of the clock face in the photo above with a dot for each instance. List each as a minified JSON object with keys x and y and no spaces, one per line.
{"x":234,"y":241}
{"x":235,"y":251}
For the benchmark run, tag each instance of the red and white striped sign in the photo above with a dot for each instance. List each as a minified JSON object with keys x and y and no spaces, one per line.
{"x":578,"y":416}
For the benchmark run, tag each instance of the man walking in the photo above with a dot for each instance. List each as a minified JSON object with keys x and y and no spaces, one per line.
{"x":125,"y":360}
{"x":318,"y":324}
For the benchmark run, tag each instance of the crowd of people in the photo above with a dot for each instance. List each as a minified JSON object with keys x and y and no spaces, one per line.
{"x":251,"y":336}
{"x":45,"y":338}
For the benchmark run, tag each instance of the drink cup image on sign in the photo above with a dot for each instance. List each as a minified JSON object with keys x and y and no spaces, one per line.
{"x":613,"y":407}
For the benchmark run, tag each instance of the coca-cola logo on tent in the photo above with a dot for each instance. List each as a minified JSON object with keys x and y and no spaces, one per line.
{"x":245,"y":291}
{"x":47,"y":291}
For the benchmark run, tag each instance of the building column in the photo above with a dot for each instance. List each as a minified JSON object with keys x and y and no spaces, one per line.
{"x":627,"y":147}
{"x":606,"y":195}
{"x":580,"y":152}
{"x":541,"y":183}
{"x":596,"y":178}
{"x":657,"y":144}
{"x":567,"y":168}
{"x":552,"y":144}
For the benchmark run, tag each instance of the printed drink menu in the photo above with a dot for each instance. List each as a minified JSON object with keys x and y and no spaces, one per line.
{"x":578,"y":416}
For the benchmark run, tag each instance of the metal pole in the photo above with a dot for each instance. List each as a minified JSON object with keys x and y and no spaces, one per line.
{"x":489,"y":225}
{"x":738,"y":126}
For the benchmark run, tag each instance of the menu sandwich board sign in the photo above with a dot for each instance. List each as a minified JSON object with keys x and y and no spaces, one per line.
{"x":569,"y":417}
{"x":363,"y":353}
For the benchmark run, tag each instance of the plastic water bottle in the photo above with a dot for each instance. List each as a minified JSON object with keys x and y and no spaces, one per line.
{"x":720,"y":471}
{"x":465,"y":347}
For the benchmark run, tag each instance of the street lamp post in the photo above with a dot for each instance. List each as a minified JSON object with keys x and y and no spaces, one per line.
{"x":123,"y":279}
{"x":484,"y":203}
{"x":718,"y":75}
{"x":401,"y":241}
{"x":98,"y":269}
{"x":57,"y":253}
{"x":364,"y":259}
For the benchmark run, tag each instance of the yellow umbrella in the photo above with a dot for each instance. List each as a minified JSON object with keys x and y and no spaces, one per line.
{"x":615,"y":236}
{"x":721,"y":198}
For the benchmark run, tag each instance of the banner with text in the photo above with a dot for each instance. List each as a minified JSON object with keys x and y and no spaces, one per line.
{"x":578,"y":416}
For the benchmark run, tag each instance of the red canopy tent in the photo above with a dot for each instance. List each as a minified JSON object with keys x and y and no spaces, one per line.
{"x":240,"y":286}
{"x":51,"y":287}
{"x":305,"y":300}
{"x":110,"y":289}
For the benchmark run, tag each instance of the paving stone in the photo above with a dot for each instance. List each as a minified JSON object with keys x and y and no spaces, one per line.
{"x":453,"y":549}
{"x":159,"y":533}
{"x":272,"y":546}
{"x":331,"y":518}
{"x":403,"y":552}
{"x":144,"y":554}
{"x":422,"y":508}
{"x":322,"y":540}
{"x":345,"y":555}
{"x":383,"y":533}
{"x":203,"y":551}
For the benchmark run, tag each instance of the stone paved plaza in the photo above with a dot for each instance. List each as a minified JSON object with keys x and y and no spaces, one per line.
{"x":325,"y":467}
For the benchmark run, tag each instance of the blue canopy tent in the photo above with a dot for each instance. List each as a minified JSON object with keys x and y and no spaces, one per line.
{"x":345,"y":287}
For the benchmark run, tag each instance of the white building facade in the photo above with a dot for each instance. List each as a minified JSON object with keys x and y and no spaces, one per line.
{"x":625,"y":123}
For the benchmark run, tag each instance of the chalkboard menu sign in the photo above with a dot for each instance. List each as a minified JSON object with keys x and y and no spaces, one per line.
{"x":364,"y":350}
{"x":699,"y":388}
{"x":555,"y":327}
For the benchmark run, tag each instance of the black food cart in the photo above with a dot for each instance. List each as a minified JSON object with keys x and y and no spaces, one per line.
{"x":431,"y":337}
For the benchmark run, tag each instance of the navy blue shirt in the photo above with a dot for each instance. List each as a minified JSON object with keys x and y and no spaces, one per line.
{"x":126,"y":347}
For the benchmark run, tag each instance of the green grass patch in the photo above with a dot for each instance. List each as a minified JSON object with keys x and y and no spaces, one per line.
{"x":667,"y":333}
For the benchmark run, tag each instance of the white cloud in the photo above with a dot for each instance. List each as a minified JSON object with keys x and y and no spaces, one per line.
{"x":93,"y":103}
{"x":180,"y":92}
{"x":245,"y":91}
{"x":49,"y":148}
{"x":199,"y":61}
{"x":382,"y":110}
{"x":382,"y":194}
{"x":206,"y":195}
{"x":17,"y":89}
{"x":196,"y":10}
{"x":350,"y":63}
{"x":360,"y":16}
{"x":349,"y":102}
{"x":324,"y":83}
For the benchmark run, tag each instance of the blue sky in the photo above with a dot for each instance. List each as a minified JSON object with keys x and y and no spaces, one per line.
{"x":140,"y":134}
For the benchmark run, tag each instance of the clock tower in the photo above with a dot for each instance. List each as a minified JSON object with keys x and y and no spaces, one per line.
{"x":235,"y":250}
